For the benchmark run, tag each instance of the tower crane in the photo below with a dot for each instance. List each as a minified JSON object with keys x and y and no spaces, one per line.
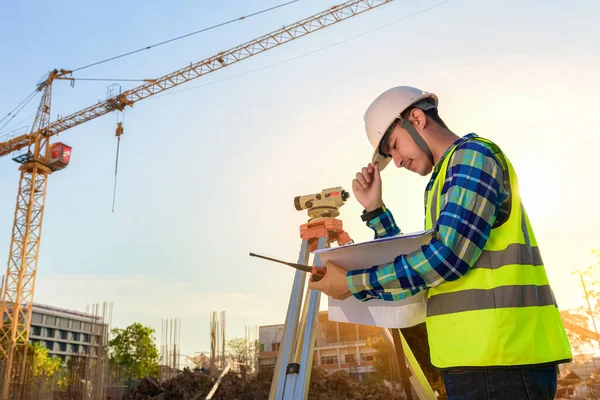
{"x":42,"y":158}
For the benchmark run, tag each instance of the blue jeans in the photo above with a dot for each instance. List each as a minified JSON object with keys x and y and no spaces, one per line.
{"x":531,"y":383}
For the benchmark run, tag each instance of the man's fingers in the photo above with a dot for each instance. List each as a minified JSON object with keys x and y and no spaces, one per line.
{"x":377,"y":174}
{"x":366,"y":174}
{"x":361,"y":180}
{"x":356,"y":186}
{"x":315,"y":285}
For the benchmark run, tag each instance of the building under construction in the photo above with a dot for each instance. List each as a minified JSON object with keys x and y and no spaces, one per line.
{"x":40,"y":155}
{"x":339,"y":346}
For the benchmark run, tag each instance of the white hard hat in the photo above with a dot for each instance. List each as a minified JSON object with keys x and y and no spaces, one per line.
{"x":386,"y":109}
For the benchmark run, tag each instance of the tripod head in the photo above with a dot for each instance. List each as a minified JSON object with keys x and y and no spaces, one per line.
{"x":325,"y":204}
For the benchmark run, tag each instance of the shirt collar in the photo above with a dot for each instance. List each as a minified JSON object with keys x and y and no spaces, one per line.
{"x":456,"y":143}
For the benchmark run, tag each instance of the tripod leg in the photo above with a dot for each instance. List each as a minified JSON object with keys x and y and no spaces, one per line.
{"x":308,"y":345}
{"x":417,"y":379}
{"x":284,"y":356}
{"x":401,"y":363}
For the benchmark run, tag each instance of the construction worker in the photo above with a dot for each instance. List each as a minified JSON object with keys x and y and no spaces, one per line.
{"x":493,"y":325}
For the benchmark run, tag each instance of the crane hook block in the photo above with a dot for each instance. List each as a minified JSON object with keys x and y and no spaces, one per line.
{"x":119,"y":131}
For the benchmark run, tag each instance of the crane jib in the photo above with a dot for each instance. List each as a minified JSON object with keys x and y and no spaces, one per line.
{"x":266,"y":42}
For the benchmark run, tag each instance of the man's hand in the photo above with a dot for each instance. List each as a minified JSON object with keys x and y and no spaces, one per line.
{"x":367,"y":187}
{"x":333,"y":284}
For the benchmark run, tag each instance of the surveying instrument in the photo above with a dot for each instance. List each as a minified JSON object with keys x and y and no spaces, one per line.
{"x":291,"y":376}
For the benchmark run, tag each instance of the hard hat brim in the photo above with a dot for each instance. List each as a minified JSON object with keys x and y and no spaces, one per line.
{"x":378,"y":158}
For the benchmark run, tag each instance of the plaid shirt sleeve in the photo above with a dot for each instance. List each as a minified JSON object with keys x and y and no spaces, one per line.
{"x":384,"y":225}
{"x":472,"y":195}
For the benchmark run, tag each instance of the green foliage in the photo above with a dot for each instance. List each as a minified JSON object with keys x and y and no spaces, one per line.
{"x":384,"y":360}
{"x":134,"y":349}
{"x":385,"y":357}
{"x":43,"y":364}
{"x":241,"y":350}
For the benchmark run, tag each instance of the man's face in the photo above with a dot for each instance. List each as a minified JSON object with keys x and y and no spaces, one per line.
{"x":406,"y":153}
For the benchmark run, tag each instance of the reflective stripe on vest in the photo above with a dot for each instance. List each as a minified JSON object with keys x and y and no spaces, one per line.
{"x":502,"y":312}
{"x":500,"y":297}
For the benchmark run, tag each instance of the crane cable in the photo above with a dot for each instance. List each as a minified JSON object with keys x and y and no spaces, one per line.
{"x":110,"y":80}
{"x":147,"y":48}
{"x":22,"y":105}
{"x":421,"y":11}
{"x":186,"y":35}
{"x":118,"y":134}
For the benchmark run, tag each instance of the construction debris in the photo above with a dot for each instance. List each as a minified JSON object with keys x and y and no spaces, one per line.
{"x":194,"y":385}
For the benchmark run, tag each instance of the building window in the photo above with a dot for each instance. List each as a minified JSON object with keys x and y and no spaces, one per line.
{"x":350,"y":358}
{"x":275,"y":346}
{"x":62,"y":347}
{"x":36,"y":330}
{"x":64,"y":335}
{"x":36,"y":318}
{"x":63,"y":323}
{"x":87,"y":327}
{"x":85,"y":338}
{"x":49,"y":345}
{"x":367,"y":357}
{"x":50,"y":320}
{"x":76,"y":325}
{"x":329,"y":360}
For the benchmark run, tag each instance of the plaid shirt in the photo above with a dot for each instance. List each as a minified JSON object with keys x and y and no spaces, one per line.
{"x":473,"y":194}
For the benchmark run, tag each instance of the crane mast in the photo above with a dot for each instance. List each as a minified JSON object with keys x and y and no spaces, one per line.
{"x":18,"y":291}
{"x":17,"y":294}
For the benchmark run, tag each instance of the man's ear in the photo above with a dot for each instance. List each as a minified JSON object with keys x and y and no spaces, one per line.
{"x":418,"y":118}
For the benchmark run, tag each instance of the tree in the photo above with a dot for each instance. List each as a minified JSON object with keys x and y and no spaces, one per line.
{"x":134,"y":349}
{"x":43,"y":364}
{"x":242,"y":351}
{"x":384,"y":362}
{"x":385,"y":357}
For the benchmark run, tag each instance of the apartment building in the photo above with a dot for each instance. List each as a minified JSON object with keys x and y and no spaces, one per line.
{"x":338,"y":346}
{"x":65,"y":332}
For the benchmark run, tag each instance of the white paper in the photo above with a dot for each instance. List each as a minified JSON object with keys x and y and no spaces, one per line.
{"x":377,"y":312}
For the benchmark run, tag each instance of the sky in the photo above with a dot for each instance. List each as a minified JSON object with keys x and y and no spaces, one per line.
{"x":208,"y":171}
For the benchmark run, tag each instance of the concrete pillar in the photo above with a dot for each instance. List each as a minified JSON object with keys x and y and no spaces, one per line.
{"x":337,"y":328}
{"x":318,"y":357}
{"x":357,"y":335}
{"x":338,"y":357}
{"x":358,"y":354}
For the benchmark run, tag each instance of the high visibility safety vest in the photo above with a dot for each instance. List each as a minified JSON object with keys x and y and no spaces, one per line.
{"x":502,"y":312}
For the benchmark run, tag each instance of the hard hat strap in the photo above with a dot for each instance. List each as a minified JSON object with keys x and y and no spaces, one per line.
{"x":418,"y":139}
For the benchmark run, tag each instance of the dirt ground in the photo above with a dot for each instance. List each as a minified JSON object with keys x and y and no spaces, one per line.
{"x":195,"y":385}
